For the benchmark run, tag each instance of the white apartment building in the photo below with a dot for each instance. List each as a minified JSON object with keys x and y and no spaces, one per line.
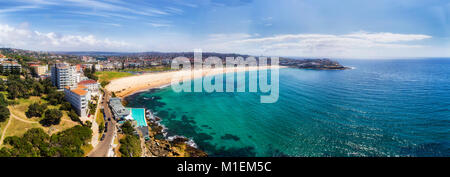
{"x":63,"y":75}
{"x":77,"y":77}
{"x":79,"y":98}
{"x":91,"y":85}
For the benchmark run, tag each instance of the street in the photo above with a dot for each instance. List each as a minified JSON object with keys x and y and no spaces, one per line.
{"x":101,"y":150}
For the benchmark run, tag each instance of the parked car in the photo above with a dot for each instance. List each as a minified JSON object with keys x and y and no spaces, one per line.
{"x":103,"y":137}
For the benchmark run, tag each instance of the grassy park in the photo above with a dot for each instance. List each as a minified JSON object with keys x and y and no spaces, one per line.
{"x":20,"y":123}
{"x":110,"y":75}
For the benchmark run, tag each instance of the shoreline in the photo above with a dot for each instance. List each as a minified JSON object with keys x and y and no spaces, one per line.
{"x":126,"y":86}
{"x":162,"y":80}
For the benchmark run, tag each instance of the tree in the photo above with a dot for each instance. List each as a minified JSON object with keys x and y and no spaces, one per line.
{"x":71,"y":140}
{"x":2,"y":85}
{"x":52,"y":117}
{"x":74,"y":116}
{"x":35,"y":110}
{"x":38,"y":89}
{"x":36,"y":143}
{"x":55,"y":97}
{"x":3,"y":100}
{"x":13,"y":92}
{"x":130,"y":146}
{"x":104,"y":83}
{"x":90,"y":73}
{"x":92,"y":108}
{"x":88,"y":124}
{"x":65,"y":106}
{"x":4,"y":113}
{"x":48,"y":86}
{"x":127,"y":128}
{"x":4,"y":152}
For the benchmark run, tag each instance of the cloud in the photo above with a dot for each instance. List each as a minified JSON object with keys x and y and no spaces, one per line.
{"x":159,"y":25}
{"x":35,"y":40}
{"x":352,"y":45}
{"x":19,"y":8}
{"x":360,"y":44}
{"x":110,"y":8}
{"x":388,"y":37}
{"x":174,"y":10}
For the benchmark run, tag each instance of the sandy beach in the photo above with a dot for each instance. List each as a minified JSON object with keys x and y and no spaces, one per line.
{"x":126,"y":86}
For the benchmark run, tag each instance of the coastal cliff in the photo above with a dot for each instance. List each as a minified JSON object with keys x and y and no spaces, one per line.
{"x":317,"y":64}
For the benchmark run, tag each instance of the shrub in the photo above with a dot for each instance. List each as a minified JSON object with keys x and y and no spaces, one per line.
{"x":35,"y":110}
{"x":4,"y":113}
{"x":52,"y":117}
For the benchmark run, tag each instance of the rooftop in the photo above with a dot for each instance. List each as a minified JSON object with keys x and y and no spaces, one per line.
{"x":81,"y":86}
{"x":85,"y":82}
{"x":117,"y":108}
{"x":79,"y":91}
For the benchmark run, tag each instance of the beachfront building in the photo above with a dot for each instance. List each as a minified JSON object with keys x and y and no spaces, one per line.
{"x":79,"y":98}
{"x":92,"y":86}
{"x":135,"y":115}
{"x":63,"y":75}
{"x":119,"y":112}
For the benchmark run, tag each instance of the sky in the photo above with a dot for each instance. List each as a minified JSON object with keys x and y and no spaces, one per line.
{"x":301,"y":28}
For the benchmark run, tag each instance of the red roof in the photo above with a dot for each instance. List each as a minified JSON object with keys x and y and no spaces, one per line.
{"x":79,"y":91}
{"x":86,"y":82}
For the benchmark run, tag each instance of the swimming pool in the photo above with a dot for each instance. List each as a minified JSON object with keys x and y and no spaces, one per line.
{"x":138,"y":114}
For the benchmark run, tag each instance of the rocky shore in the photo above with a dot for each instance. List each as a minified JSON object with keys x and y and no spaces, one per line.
{"x":317,"y":64}
{"x":178,"y":146}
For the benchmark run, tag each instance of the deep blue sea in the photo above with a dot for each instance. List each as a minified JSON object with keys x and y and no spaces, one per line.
{"x":379,"y":108}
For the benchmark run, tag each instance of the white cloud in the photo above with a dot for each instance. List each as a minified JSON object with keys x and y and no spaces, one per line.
{"x":35,"y":40}
{"x":388,"y":37}
{"x":158,"y":25}
{"x":19,"y":8}
{"x":354,"y":45}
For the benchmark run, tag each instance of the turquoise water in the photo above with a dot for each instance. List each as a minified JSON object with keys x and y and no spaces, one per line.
{"x":138,"y":114}
{"x":380,"y":108}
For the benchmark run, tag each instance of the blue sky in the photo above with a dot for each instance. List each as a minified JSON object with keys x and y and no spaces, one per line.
{"x":308,"y":28}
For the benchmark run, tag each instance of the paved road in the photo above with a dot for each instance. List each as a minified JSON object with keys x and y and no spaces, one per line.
{"x":101,"y":150}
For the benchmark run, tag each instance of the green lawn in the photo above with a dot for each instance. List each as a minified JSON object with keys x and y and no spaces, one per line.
{"x":18,"y":127}
{"x":153,"y":69}
{"x":110,"y":75}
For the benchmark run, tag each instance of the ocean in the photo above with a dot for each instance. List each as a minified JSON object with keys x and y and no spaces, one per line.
{"x":378,"y":108}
